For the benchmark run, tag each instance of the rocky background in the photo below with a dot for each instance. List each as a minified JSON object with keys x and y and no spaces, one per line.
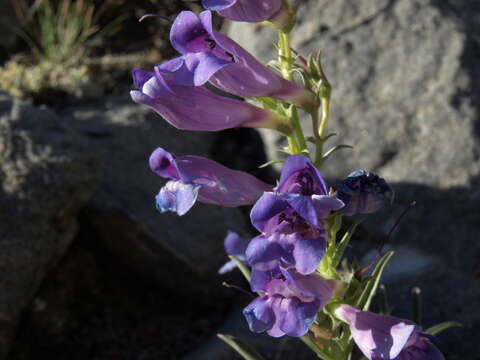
{"x":89,"y":269}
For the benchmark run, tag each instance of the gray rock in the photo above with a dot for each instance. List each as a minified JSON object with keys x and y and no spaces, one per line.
{"x":159,"y":246}
{"x":44,"y":181}
{"x":405,"y":94}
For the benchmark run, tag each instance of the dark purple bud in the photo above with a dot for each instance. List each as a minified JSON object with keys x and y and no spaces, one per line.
{"x":195,"y":177}
{"x":245,"y":10}
{"x":208,"y":55}
{"x":196,"y":108}
{"x":387,"y":337}
{"x":364,"y":192}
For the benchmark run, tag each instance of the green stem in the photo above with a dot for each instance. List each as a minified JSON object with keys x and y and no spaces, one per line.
{"x":325,"y":101}
{"x":297,"y":140}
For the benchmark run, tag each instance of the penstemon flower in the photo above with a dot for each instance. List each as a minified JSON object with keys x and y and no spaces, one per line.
{"x":209,"y":56}
{"x":290,"y":303}
{"x":195,"y":177}
{"x":290,"y":219}
{"x":196,"y":108}
{"x":387,"y":337}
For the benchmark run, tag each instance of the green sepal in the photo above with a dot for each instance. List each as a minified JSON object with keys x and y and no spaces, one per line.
{"x":271,"y":162}
{"x":242,"y":267}
{"x":434,"y":330}
{"x":240,"y":347}
{"x":336,"y":148}
{"x":366,"y":297}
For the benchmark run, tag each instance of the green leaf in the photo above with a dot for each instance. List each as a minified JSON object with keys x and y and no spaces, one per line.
{"x":336,"y":148}
{"x":242,"y":267}
{"x":434,"y":330}
{"x":369,"y":291}
{"x":342,"y":245}
{"x":243,"y":349}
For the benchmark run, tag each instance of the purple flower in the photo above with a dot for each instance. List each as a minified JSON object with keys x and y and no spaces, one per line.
{"x":364,"y":192}
{"x":290,"y":219}
{"x":245,"y":10}
{"x":195,"y":177}
{"x":387,"y":337}
{"x":290,"y":304}
{"x":208,"y":55}
{"x":235,"y":245}
{"x":196,"y":108}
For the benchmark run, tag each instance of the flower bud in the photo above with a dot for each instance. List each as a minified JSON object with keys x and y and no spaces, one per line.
{"x":364,"y":192}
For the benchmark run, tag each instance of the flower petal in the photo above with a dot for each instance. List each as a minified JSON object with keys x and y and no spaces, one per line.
{"x":185,"y":31}
{"x":299,"y":316}
{"x":304,"y":206}
{"x":308,"y":253}
{"x":325,"y":204}
{"x":310,"y":286}
{"x":251,"y":11}
{"x":164,"y":164}
{"x":377,"y":336}
{"x":220,"y":185}
{"x":269,"y":205}
{"x":262,"y":254}
{"x":235,"y":244}
{"x":177,"y":196}
{"x":217,"y":4}
{"x":259,"y":315}
{"x":198,"y":109}
{"x":299,"y":166}
{"x":198,"y":68}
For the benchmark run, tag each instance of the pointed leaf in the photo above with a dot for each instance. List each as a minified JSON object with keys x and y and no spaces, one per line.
{"x":240,"y":347}
{"x":369,"y":291}
{"x":271,"y":162}
{"x":434,"y":330}
{"x":336,"y":148}
{"x":342,"y":245}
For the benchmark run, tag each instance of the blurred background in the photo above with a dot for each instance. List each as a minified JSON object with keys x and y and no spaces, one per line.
{"x":90,"y":270}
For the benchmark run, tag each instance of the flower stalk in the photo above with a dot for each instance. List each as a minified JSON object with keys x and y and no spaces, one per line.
{"x":297,"y":141}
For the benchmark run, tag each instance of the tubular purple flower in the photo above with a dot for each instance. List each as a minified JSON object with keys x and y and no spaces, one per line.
{"x":208,"y":55}
{"x":245,"y":10}
{"x":195,"y":177}
{"x":290,"y":304}
{"x":364,"y":192}
{"x":290,"y":219}
{"x":302,"y":189}
{"x":196,"y":108}
{"x":387,"y":337}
